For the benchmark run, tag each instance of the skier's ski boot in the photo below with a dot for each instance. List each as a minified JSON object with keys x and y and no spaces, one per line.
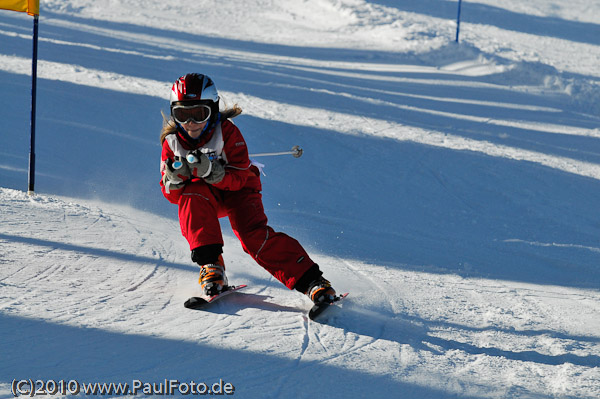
{"x":212,"y":278}
{"x":320,"y":291}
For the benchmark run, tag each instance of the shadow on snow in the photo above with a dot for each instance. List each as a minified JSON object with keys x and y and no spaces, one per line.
{"x":52,"y":351}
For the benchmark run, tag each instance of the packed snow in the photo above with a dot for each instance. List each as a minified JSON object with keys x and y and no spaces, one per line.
{"x":451,"y":188}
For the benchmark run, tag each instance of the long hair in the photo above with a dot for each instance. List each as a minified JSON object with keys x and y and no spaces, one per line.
{"x":170,"y":127}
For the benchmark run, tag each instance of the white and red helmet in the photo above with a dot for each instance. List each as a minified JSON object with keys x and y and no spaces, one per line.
{"x":193,"y":89}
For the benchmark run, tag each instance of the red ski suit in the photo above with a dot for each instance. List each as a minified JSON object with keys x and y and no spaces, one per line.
{"x":238,"y":197}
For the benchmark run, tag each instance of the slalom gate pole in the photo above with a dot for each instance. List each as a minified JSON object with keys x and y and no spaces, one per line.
{"x":31,"y":183}
{"x":458,"y":20}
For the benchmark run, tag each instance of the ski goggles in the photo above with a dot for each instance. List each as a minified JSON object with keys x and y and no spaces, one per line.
{"x":198,"y":113}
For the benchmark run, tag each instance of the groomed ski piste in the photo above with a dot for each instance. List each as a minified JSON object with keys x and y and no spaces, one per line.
{"x":452,"y":189}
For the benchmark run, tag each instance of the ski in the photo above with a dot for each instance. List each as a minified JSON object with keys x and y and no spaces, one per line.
{"x":198,"y":302}
{"x":319,"y":308}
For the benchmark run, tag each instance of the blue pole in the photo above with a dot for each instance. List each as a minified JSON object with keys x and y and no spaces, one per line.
{"x":458,"y":20}
{"x":31,"y":184}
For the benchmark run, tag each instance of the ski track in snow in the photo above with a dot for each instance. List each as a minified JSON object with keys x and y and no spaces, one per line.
{"x":471,"y":144}
{"x":382,"y":326}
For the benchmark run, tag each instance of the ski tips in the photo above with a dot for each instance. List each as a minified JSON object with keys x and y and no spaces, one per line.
{"x":198,"y":302}
{"x":195,"y":302}
{"x":319,"y":308}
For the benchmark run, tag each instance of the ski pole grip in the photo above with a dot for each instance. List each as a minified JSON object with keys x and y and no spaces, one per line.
{"x":192,"y":158}
{"x":177,"y":164}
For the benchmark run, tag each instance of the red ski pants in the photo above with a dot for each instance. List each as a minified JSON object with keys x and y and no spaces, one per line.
{"x":200,"y":208}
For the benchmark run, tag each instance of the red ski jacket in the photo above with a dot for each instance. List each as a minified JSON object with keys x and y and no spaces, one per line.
{"x":227,"y":142}
{"x":238,"y":197}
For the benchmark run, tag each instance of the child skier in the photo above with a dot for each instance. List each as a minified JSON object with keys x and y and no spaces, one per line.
{"x":206,"y":171}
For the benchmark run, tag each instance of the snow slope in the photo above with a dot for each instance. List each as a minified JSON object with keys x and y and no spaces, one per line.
{"x":453,"y":189}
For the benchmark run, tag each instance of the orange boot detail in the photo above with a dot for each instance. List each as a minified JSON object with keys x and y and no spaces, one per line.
{"x":212,"y":278}
{"x":321,"y":290}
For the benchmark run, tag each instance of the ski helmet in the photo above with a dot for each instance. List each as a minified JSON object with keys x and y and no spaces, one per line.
{"x":194,"y":89}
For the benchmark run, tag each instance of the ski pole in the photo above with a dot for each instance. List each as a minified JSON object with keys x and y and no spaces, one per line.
{"x":296,"y":152}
